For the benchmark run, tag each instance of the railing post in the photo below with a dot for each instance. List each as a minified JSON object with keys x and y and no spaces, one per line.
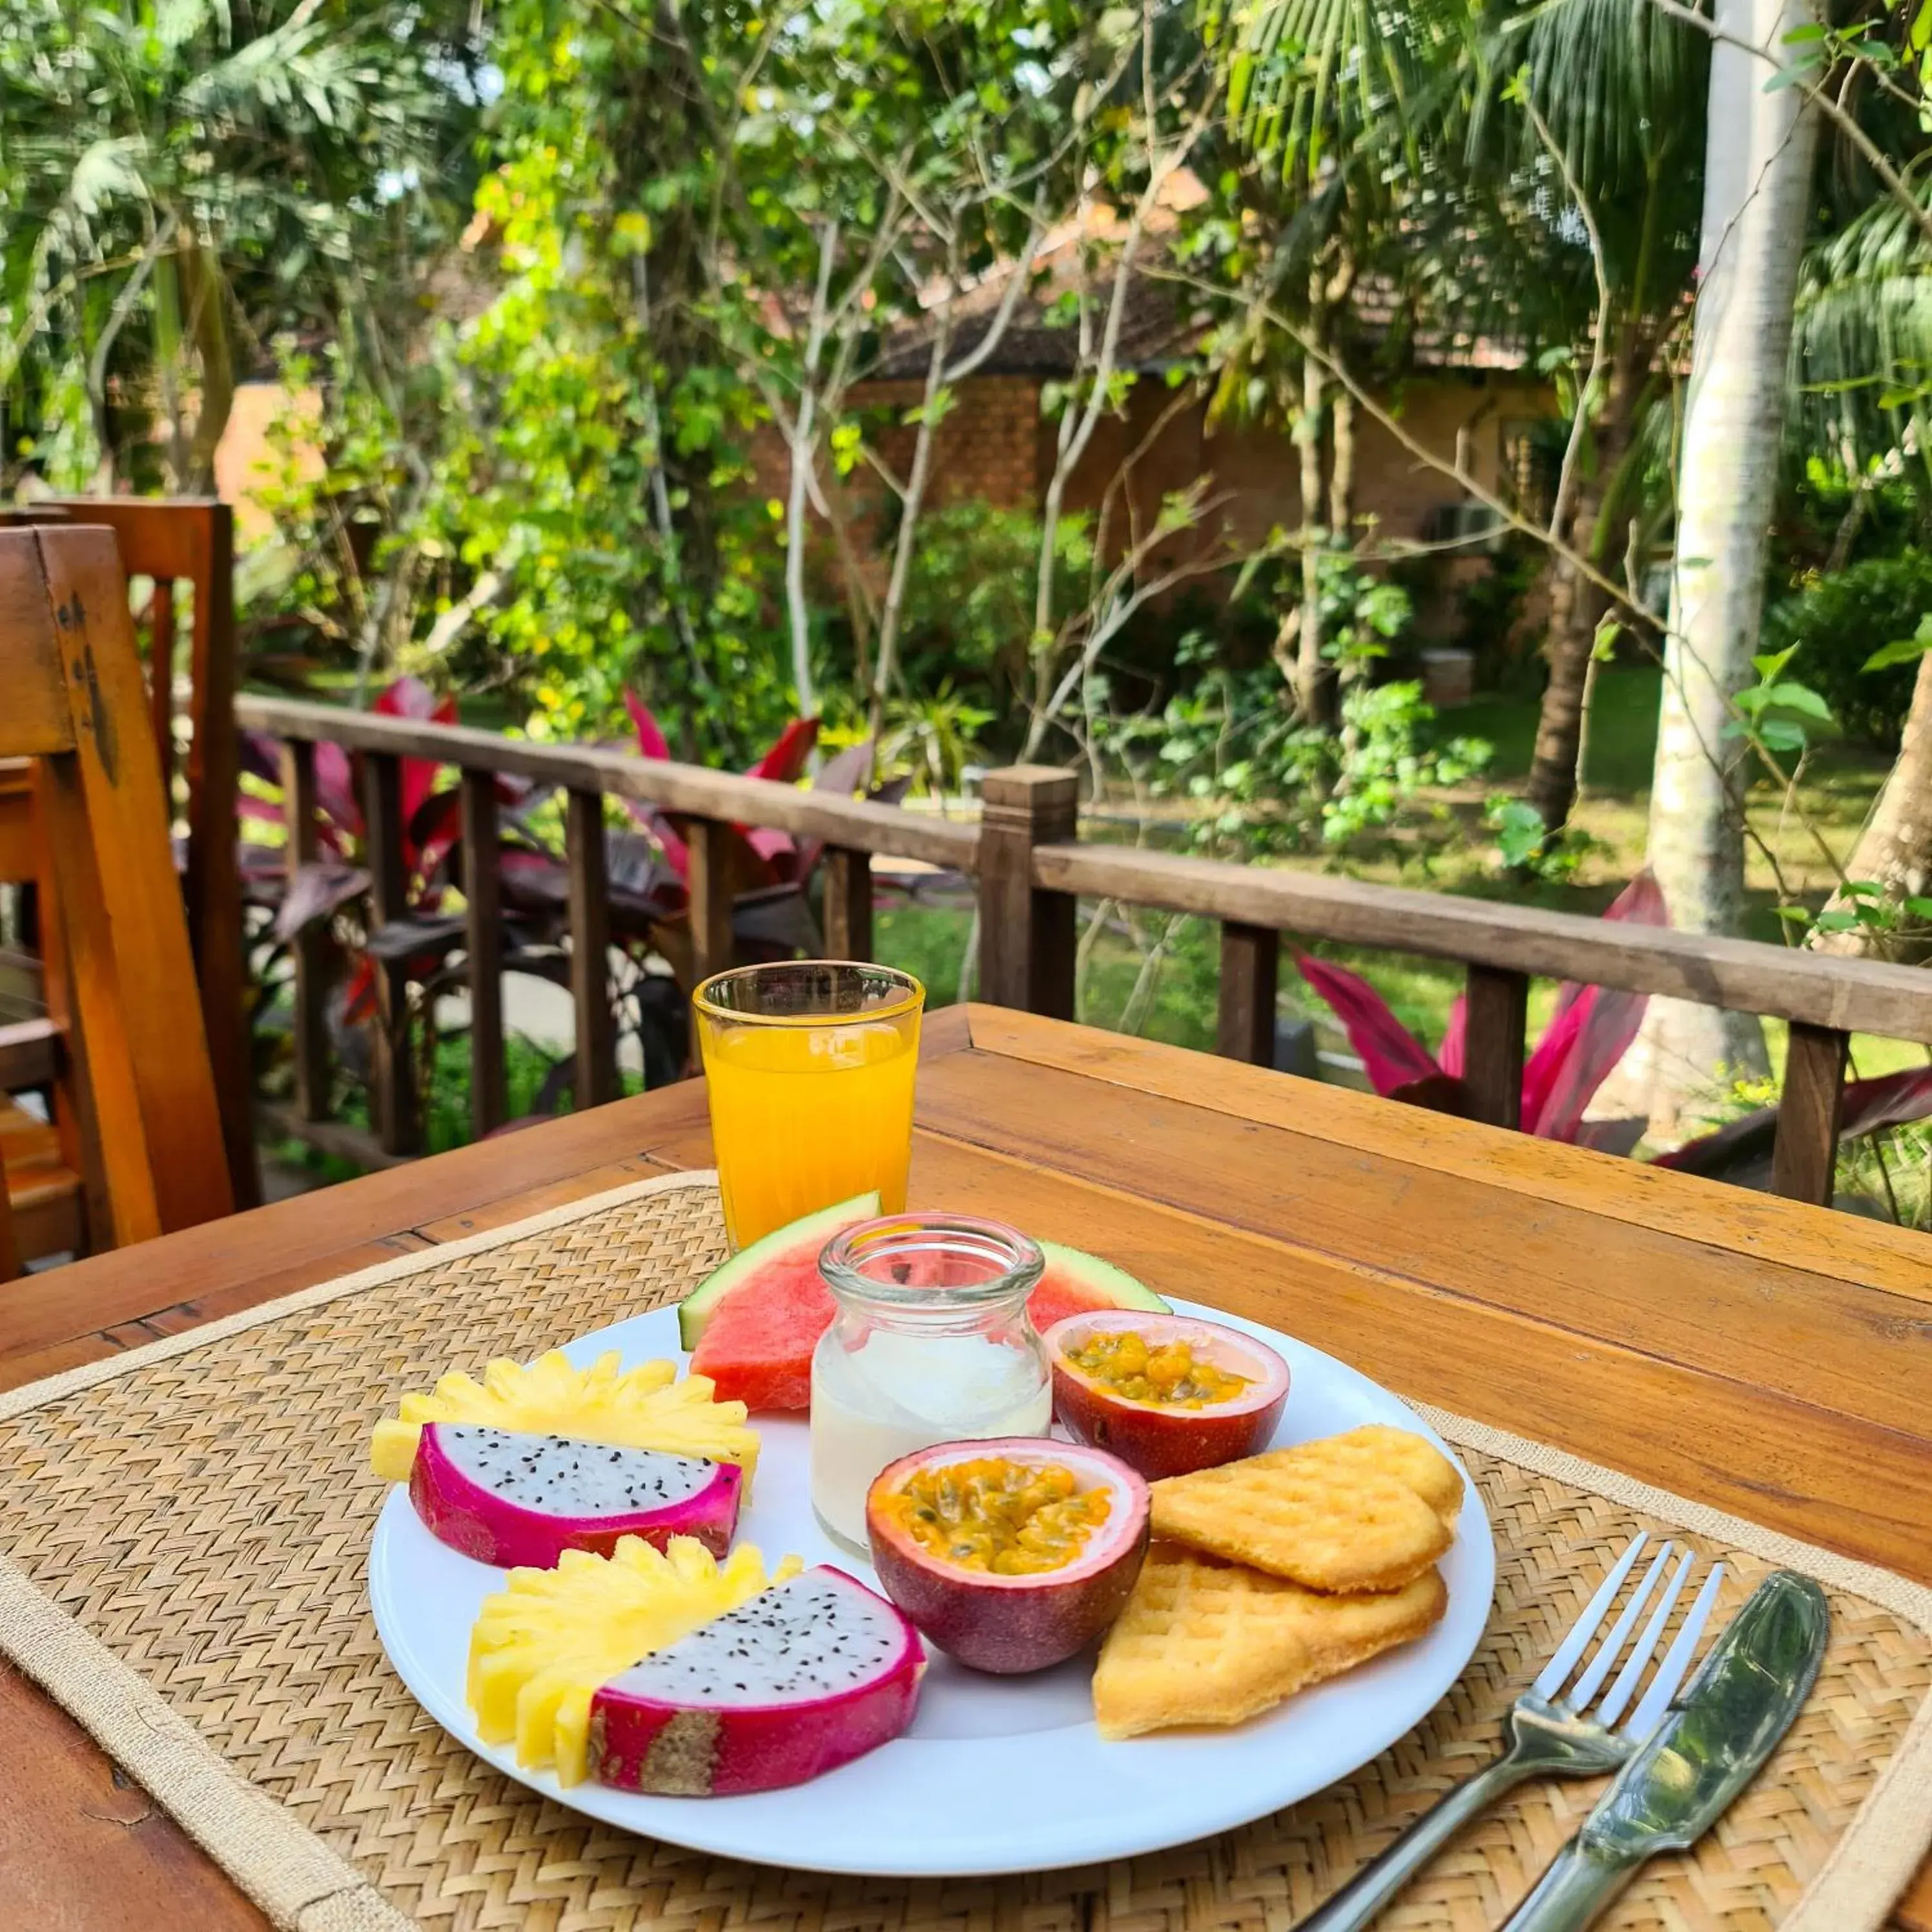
{"x":213,"y":884}
{"x":392,"y":1086}
{"x":1805,"y":1156}
{"x":709,"y":843}
{"x":161,"y":679}
{"x":1499,"y":1013}
{"x":590,"y":950}
{"x":1026,"y":935}
{"x":309,"y":950}
{"x":1250,"y":963}
{"x":848,"y":903}
{"x":483,"y":944}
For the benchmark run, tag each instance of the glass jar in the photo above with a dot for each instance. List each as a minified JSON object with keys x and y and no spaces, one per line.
{"x":930,"y":1343}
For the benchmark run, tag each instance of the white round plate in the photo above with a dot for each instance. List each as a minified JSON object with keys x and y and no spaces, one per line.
{"x":996,"y":1774}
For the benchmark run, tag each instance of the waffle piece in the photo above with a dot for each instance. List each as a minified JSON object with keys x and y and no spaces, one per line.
{"x":1410,"y":1459}
{"x":1335,"y":1514}
{"x":1202,"y":1642}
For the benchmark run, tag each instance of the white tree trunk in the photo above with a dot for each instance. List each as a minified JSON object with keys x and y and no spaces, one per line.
{"x":803,"y":449}
{"x":1895,"y":848}
{"x":1757,"y":187}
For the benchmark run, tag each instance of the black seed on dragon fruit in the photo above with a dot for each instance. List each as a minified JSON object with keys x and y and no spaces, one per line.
{"x":513,"y":1499}
{"x":804,"y":1678}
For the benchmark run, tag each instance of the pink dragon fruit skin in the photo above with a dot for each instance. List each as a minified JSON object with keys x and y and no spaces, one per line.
{"x":800,"y":1680}
{"x":516,"y":1500}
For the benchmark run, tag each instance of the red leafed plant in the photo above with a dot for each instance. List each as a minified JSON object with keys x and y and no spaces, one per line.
{"x":647,"y":872}
{"x":1589,"y":1033}
{"x":774,"y":856}
{"x":318,"y":888}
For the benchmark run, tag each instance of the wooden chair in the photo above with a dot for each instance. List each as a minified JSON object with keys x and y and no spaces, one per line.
{"x":44,"y":1166}
{"x":173,"y":542}
{"x":124,"y":1030}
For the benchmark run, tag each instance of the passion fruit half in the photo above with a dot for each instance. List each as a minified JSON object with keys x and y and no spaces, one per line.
{"x":1167,"y":1393}
{"x":1010,"y":1554}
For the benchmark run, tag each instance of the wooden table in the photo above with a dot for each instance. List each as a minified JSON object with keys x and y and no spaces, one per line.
{"x":1771,"y":1359}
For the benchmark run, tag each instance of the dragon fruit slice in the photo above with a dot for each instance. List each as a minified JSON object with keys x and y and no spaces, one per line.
{"x":516,"y":1499}
{"x":802,"y":1678}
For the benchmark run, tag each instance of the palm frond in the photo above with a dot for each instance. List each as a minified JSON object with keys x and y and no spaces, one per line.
{"x":1622,"y":87}
{"x":1861,"y":339}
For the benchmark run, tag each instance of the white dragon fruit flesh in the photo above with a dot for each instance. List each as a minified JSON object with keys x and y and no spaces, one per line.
{"x":512,"y":1498}
{"x":804,"y":1678}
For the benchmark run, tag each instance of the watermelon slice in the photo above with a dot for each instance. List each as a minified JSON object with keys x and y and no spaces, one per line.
{"x":1075,"y":1281}
{"x":751,"y":1326}
{"x":743,"y":1323}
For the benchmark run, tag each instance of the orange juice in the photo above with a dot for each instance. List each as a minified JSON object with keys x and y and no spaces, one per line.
{"x":807,"y":1110}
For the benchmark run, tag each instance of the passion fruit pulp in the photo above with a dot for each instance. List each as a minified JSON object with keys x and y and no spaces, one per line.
{"x":1168,"y":1394}
{"x":1010,"y":1555}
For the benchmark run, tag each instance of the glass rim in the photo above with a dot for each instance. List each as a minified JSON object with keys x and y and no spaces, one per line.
{"x":911,"y":995}
{"x":925,"y":1231}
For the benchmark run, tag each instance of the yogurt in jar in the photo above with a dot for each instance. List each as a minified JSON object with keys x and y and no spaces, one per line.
{"x":901,"y":1390}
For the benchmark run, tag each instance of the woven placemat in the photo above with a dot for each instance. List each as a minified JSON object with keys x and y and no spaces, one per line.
{"x":188,"y":1526}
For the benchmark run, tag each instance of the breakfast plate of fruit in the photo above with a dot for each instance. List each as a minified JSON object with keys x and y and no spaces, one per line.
{"x":1190,"y":1571}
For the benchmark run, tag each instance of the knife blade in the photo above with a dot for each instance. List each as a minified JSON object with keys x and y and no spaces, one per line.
{"x":1722,"y":1725}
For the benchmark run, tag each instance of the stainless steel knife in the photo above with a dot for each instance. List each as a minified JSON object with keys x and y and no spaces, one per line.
{"x":1725,"y":1723}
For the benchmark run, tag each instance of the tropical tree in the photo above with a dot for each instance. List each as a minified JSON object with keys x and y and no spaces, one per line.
{"x":180,"y":181}
{"x":588,"y":483}
{"x":1758,"y":205}
{"x":1607,"y":136}
{"x":1354,"y":117}
{"x":1891,"y":865}
{"x":1862,"y":357}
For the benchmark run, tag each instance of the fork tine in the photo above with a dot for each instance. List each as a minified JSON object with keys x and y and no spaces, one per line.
{"x":1559,"y":1666}
{"x":1607,"y":1652}
{"x":1620,"y":1693}
{"x":1671,"y":1672}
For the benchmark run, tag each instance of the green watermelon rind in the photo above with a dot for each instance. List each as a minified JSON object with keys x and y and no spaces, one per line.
{"x":1120,"y":1289}
{"x":810,"y":1231}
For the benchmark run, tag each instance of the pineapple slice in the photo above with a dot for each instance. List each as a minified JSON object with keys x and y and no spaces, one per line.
{"x":542,"y":1645}
{"x":644,"y":1408}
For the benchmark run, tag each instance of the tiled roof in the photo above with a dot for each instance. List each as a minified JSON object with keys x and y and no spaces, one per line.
{"x":1165,"y":317}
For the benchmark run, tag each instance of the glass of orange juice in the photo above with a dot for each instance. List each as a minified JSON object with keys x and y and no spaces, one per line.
{"x":810,"y":1066}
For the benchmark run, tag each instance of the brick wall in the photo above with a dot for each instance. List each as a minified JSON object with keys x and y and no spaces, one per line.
{"x":995,"y":447}
{"x":1258,"y":470}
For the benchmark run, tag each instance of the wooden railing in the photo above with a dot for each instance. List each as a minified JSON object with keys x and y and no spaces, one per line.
{"x":1030,"y":868}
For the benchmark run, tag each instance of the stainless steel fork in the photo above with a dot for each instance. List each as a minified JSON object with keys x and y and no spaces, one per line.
{"x":1574,"y":1735}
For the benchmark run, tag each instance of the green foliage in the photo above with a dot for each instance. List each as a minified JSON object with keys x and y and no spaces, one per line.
{"x":179,"y":182}
{"x":928,"y":739}
{"x":1528,"y":849}
{"x":1836,"y":624}
{"x":1263,"y":781}
{"x":934,"y":739}
{"x":1864,"y":905}
{"x":593,"y":463}
{"x":1386,"y":761}
{"x":1778,"y":712}
{"x":969,"y":599}
{"x":1491,"y":609}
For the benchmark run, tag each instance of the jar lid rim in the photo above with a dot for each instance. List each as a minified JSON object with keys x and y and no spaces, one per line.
{"x":904,"y":1235}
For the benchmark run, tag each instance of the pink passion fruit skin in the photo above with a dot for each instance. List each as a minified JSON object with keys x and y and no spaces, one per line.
{"x":1162,"y":1440}
{"x":1007,"y":1625}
